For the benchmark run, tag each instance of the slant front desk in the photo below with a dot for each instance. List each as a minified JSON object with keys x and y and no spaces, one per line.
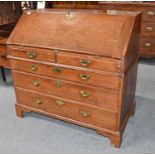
{"x":77,"y":66}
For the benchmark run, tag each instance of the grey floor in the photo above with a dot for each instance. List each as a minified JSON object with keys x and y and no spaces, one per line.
{"x":40,"y":134}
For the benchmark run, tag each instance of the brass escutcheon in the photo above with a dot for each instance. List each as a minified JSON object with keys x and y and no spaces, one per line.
{"x":36,"y":82}
{"x":31,"y":55}
{"x":84,"y":113}
{"x":85,"y":62}
{"x":58,"y":83}
{"x":84,"y":76}
{"x":60,"y":102}
{"x":37,"y":100}
{"x":57,"y":69}
{"x":84,"y":93}
{"x":33,"y":67}
{"x":69,"y":15}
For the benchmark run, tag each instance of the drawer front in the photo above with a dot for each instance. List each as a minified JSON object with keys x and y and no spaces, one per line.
{"x":148,"y":14}
{"x":83,"y":76}
{"x":68,"y":109}
{"x":147,"y":45}
{"x":148,"y":29}
{"x":33,"y":54}
{"x":2,"y":50}
{"x":82,"y":93}
{"x":87,"y":61}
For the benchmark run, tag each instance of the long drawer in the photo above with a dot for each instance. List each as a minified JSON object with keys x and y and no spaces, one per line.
{"x":81,"y":75}
{"x":33,"y":53}
{"x":68,"y":109}
{"x":86,"y":94}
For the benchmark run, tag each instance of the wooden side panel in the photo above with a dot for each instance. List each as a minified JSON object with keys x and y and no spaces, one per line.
{"x":128,"y":92}
{"x":132,"y":53}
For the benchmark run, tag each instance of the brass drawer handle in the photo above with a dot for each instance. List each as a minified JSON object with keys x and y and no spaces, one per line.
{"x":84,"y":76}
{"x":149,"y":29}
{"x":31,"y":55}
{"x":84,"y":113}
{"x":36,"y":82}
{"x":84,"y":93}
{"x":147,"y":45}
{"x":150,"y":13}
{"x":60,"y":102}
{"x":33,"y":67}
{"x":37,"y":100}
{"x":85,"y":62}
{"x":58,"y":83}
{"x":57,"y":69}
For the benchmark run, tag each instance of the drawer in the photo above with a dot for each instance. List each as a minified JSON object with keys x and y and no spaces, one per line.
{"x":83,"y":76}
{"x":3,"y":50}
{"x":147,"y":45}
{"x":87,"y":61}
{"x":148,"y":29}
{"x":69,"y":109}
{"x":32,"y":53}
{"x":148,"y":14}
{"x":86,"y":94}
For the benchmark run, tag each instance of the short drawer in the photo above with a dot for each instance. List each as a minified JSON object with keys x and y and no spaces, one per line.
{"x":83,"y":76}
{"x":147,"y":44}
{"x":87,"y":61}
{"x":69,"y":109}
{"x":148,"y":29}
{"x":32,"y":53}
{"x":86,"y":94}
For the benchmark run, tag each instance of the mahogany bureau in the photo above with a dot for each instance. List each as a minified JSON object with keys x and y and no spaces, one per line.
{"x":77,"y":66}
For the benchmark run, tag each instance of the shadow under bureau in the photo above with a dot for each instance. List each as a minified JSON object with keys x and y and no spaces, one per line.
{"x":77,"y":66}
